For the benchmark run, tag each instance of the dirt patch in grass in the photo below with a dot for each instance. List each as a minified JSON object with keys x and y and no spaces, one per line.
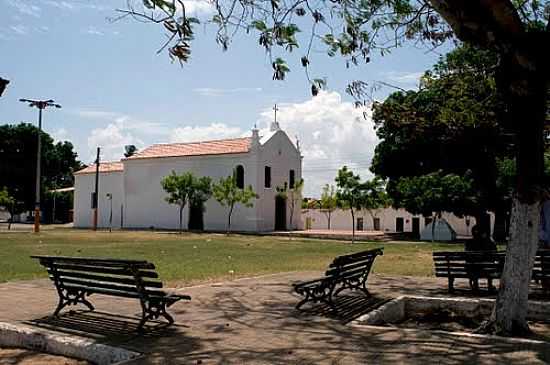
{"x":11,"y":356}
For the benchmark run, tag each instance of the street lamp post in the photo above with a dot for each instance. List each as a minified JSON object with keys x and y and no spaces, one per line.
{"x":41,"y":105}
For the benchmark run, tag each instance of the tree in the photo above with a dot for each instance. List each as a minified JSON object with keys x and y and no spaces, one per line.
{"x":349,"y":194}
{"x":7,"y":202}
{"x":18,"y":156}
{"x":374,"y":196}
{"x":518,"y":31}
{"x":451,"y":125}
{"x":228,"y":195}
{"x":130,"y":150}
{"x":179,"y":189}
{"x":434,"y":193}
{"x":293,"y":195}
{"x":328,"y":202}
{"x":201,"y":193}
{"x":3,"y":84}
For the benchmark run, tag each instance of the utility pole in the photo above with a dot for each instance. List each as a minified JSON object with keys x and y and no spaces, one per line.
{"x":95,"y":199}
{"x":41,"y":105}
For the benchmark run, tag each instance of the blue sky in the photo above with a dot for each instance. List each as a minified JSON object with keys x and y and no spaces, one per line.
{"x":116,"y":90}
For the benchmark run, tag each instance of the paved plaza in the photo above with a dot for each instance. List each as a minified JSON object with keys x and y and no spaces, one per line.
{"x":253,"y":320}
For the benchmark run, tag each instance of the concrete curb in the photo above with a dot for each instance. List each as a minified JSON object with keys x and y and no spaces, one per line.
{"x":71,"y":346}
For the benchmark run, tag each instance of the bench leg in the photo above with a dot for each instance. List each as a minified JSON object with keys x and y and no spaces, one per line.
{"x":302,"y":302}
{"x":153,"y":310}
{"x":67,"y":298}
{"x":451,"y":285}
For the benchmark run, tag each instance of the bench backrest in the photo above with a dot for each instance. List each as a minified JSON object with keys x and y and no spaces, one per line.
{"x":124,"y":278}
{"x":352,"y":266}
{"x":466,"y":263}
{"x":541,"y":267}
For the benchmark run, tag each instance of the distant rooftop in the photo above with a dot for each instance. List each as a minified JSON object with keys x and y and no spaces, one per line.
{"x":113,"y":166}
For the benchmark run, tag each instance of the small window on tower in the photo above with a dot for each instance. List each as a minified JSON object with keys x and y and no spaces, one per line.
{"x":239,"y":176}
{"x":267,"y":177}
{"x":291,"y":179}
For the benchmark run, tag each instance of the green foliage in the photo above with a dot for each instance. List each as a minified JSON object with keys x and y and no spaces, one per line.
{"x":451,"y":124}
{"x":18,"y":143}
{"x":294,"y":196}
{"x":435,"y":192}
{"x":228,"y":195}
{"x":329,"y":200}
{"x":354,"y":195}
{"x":186,"y":188}
{"x":5,"y":198}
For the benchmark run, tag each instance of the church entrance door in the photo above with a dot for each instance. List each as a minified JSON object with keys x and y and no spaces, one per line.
{"x":280,"y":213}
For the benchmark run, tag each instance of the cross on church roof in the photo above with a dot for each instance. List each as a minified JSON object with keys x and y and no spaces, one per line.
{"x":275,"y":124}
{"x":275,"y":109}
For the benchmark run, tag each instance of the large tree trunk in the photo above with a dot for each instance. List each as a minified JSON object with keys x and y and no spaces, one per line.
{"x":523,"y":78}
{"x":352,"y":226}
{"x":511,"y":307}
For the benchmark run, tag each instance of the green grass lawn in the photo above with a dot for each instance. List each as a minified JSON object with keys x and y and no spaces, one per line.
{"x":192,"y":258}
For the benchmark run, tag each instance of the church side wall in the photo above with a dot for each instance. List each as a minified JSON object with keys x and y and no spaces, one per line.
{"x":111,"y":182}
{"x":145,"y":204}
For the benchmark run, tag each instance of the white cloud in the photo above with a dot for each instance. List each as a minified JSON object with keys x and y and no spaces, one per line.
{"x":204,"y":133}
{"x":94,"y":31}
{"x":60,"y":135}
{"x":332,"y":133}
{"x":112,"y":140}
{"x":407,"y":79}
{"x":19,"y":29}
{"x":208,"y":91}
{"x":60,"y":4}
{"x":198,"y":7}
{"x":25,"y":7}
{"x":120,"y":131}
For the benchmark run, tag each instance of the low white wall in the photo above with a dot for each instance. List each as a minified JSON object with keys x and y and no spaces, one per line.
{"x":341,"y":220}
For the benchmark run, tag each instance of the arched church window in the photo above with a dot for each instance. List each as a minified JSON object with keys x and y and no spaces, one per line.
{"x":239,"y":176}
{"x":292,"y":179}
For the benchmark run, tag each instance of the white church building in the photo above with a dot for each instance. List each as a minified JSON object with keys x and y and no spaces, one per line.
{"x":131,"y":190}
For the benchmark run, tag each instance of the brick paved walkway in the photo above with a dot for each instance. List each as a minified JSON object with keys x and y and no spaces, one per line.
{"x":253,"y":321}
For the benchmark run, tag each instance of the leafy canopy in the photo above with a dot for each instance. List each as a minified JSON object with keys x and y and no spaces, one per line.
{"x":228,"y":194}
{"x":435,"y":192}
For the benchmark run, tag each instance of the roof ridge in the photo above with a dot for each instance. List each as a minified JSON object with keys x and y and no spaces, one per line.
{"x":196,"y":142}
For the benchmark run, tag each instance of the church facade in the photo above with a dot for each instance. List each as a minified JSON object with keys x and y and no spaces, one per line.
{"x":131,"y":196}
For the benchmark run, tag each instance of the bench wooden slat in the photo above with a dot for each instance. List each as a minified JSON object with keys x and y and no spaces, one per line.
{"x":103,"y":278}
{"x":349,"y":267}
{"x":96,"y":261}
{"x":105,"y":270}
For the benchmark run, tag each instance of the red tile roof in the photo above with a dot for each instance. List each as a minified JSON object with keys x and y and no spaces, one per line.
{"x":217,"y":147}
{"x":114,"y":166}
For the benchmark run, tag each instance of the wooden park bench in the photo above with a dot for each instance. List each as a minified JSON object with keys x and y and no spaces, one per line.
{"x":345,"y":272}
{"x":541,"y":267}
{"x":76,"y":278}
{"x":471,"y":265}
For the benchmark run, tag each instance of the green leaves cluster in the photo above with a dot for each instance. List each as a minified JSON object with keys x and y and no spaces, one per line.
{"x":228,"y":194}
{"x":18,"y":143}
{"x":186,"y":188}
{"x":435,"y":192}
{"x":353,"y":194}
{"x":448,"y":127}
